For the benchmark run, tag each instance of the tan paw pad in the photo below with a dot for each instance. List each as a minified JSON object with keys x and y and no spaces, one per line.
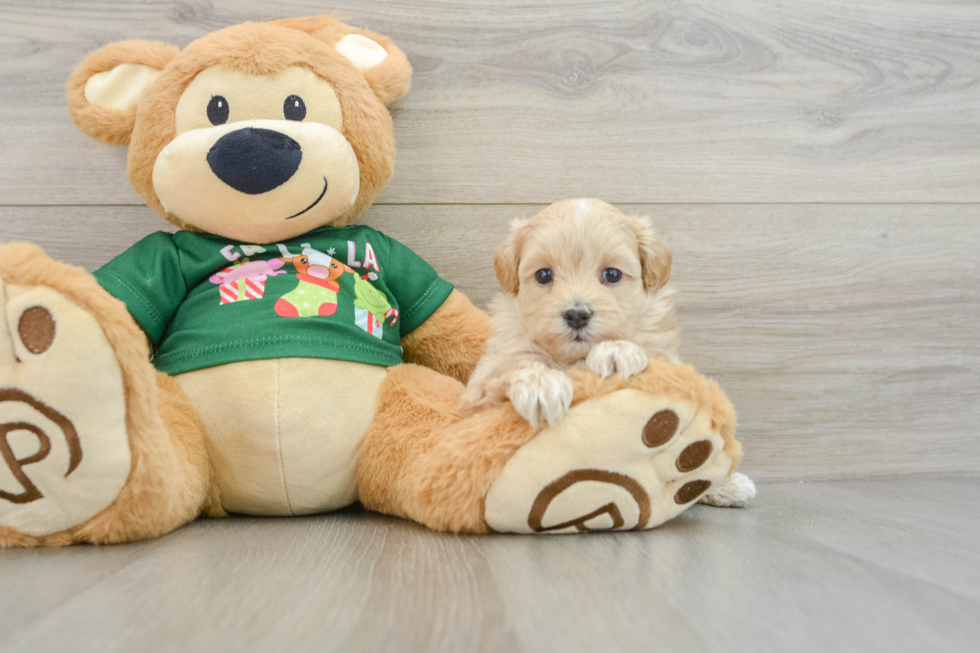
{"x":623,"y":461}
{"x":65,"y":452}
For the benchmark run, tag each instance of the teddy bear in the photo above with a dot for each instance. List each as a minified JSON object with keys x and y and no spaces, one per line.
{"x":271,"y":358}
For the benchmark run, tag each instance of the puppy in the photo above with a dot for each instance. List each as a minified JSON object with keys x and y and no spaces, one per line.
{"x":584,"y":286}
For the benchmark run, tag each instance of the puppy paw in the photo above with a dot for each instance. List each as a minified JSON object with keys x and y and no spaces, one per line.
{"x":617,"y":357}
{"x":734,"y":493}
{"x":540,"y":394}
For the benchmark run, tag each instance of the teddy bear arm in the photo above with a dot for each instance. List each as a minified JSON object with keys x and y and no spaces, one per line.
{"x":452,"y":340}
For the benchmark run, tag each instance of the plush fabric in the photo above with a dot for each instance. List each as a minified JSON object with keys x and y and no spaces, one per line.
{"x":424,"y":461}
{"x":299,"y":417}
{"x":255,"y":49}
{"x":65,"y":444}
{"x":121,"y":87}
{"x":453,"y":342}
{"x":111,"y":124}
{"x":169,"y":480}
{"x":284,"y":435}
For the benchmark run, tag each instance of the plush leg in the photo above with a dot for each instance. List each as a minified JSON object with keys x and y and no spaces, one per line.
{"x":632,"y":453}
{"x":97,"y":446}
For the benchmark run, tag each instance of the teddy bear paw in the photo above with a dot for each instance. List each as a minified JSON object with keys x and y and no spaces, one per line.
{"x":63,"y":438}
{"x":627,"y":460}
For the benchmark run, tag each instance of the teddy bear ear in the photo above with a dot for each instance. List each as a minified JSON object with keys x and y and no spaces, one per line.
{"x":383,"y":64}
{"x":105,"y":89}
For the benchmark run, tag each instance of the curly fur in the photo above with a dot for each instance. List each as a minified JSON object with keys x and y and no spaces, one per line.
{"x":576,"y":240}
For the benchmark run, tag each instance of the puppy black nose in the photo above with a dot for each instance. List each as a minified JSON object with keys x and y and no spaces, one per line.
{"x":255,"y":161}
{"x":577,"y":318}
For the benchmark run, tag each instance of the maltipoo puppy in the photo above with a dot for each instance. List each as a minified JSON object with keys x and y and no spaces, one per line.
{"x":584,"y":286}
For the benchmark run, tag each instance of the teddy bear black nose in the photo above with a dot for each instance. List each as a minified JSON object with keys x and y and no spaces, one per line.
{"x":254,"y":161}
{"x":577,"y":318}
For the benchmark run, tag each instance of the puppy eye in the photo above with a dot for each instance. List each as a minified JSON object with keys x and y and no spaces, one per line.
{"x":303,"y":261}
{"x":294,"y":108}
{"x":612,"y":275}
{"x":218,"y":110}
{"x":544,"y":277}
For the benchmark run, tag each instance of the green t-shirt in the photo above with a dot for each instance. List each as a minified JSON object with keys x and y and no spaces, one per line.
{"x":346,"y":293}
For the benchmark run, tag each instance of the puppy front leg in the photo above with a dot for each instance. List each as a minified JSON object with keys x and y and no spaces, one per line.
{"x":487,"y":386}
{"x":617,"y":357}
{"x":539,"y":393}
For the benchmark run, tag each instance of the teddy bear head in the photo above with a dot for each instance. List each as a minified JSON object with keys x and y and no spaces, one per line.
{"x":259,"y":132}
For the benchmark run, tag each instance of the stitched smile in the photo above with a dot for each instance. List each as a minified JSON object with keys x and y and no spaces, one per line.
{"x":317,"y":201}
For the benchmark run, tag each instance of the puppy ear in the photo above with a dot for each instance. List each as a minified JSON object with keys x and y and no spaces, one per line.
{"x":507,"y":257}
{"x":383,"y":64}
{"x":655,"y":257}
{"x":105,"y":89}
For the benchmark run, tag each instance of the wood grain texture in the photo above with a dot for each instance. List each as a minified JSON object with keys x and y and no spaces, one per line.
{"x":847,"y":566}
{"x":812,"y":166}
{"x":845,"y":335}
{"x":629,"y":100}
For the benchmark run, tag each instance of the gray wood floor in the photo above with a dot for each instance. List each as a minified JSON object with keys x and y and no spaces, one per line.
{"x":815,"y":167}
{"x":885,"y":565}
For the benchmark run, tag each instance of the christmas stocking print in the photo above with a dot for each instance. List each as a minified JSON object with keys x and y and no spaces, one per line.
{"x":316,"y":294}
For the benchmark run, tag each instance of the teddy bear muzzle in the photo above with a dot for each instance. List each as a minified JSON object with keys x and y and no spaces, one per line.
{"x":258,"y":180}
{"x":253,"y":160}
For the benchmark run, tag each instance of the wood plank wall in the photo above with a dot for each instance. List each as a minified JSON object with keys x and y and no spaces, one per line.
{"x":814,"y":166}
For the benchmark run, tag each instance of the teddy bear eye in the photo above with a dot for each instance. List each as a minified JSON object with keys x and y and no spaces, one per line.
{"x":544,"y":276}
{"x":218,"y":110}
{"x":294,"y":108}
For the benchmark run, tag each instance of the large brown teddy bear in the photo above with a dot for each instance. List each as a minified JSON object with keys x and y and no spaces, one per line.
{"x":269,"y":359}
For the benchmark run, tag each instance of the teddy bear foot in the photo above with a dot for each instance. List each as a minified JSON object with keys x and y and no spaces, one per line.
{"x":65,"y":453}
{"x":626,"y":460}
{"x":95,"y":445}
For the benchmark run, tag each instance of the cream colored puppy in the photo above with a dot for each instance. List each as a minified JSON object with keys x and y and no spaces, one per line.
{"x":584,"y":286}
